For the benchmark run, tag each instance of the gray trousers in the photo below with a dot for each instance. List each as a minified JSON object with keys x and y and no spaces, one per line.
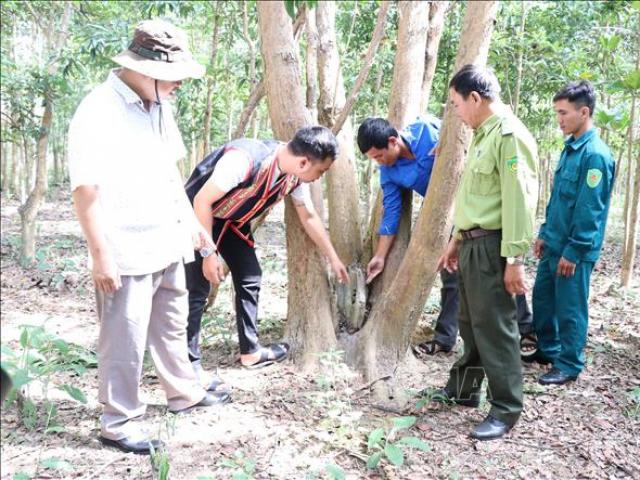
{"x":148,"y":311}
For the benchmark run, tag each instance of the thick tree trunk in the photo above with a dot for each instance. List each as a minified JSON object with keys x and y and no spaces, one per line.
{"x":342,"y":186}
{"x":382,"y":343}
{"x":311,"y":65}
{"x":310,"y":328}
{"x":404,"y":106}
{"x":437,"y":12}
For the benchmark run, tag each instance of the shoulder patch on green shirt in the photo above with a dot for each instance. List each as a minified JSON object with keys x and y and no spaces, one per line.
{"x":512,"y":163}
{"x":594,"y":175}
{"x":507,"y":128}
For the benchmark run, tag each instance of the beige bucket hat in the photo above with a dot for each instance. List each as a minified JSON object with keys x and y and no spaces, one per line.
{"x":160,"y":50}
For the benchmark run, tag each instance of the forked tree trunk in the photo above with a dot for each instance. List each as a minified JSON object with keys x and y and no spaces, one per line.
{"x":383,"y":342}
{"x":310,"y":327}
{"x":404,"y":106}
{"x":29,"y":210}
{"x":437,"y":12}
{"x":342,"y":185}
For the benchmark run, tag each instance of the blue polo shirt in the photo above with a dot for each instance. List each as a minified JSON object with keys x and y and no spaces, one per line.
{"x":421,"y":137}
{"x":577,"y":211}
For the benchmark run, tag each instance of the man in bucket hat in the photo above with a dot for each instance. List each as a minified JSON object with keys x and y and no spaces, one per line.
{"x":140,"y":228}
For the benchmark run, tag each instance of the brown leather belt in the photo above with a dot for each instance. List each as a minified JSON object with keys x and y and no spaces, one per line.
{"x":477,"y":233}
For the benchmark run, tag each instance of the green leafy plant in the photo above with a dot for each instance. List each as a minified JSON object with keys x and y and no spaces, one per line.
{"x":382,"y":443}
{"x":160,"y":461}
{"x":40,"y":357}
{"x":242,"y":467}
{"x":334,"y":472}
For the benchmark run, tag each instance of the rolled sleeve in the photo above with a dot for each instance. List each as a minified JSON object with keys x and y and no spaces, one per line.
{"x":591,"y":207}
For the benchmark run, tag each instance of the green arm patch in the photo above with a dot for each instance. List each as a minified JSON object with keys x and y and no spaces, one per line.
{"x":594,"y":176}
{"x":512,"y":164}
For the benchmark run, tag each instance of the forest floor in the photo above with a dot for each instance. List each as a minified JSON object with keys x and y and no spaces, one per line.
{"x":286,"y":424}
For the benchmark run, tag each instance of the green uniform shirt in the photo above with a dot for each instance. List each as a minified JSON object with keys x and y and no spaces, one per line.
{"x":499,"y":187}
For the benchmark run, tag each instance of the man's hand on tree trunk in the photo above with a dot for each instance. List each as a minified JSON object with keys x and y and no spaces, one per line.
{"x":375,"y":267}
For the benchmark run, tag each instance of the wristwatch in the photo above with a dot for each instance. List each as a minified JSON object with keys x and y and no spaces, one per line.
{"x":515,"y":260}
{"x":207,"y":251}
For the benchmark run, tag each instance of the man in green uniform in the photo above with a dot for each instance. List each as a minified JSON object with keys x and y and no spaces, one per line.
{"x":493,"y":227}
{"x":570,"y":240}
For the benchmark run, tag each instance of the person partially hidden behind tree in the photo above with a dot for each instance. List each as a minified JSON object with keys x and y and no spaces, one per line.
{"x":570,"y":239}
{"x":232,"y":186}
{"x":493,"y":228}
{"x":446,"y":329}
{"x":406,"y":160}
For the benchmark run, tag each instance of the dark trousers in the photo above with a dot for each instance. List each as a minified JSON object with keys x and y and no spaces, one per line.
{"x":246,"y":274}
{"x":447,"y":321}
{"x":489,"y":330}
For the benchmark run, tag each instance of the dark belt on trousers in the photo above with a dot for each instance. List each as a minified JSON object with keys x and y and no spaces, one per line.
{"x":477,"y":233}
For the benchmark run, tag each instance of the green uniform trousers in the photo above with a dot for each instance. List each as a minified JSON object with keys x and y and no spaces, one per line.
{"x":561,"y":313}
{"x":489,"y":329}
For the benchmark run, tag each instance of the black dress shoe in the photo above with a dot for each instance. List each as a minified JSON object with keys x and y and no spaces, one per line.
{"x":209,"y":400}
{"x":140,"y":447}
{"x":447,"y":396}
{"x":555,"y":377}
{"x":490,"y":429}
{"x":536,"y":357}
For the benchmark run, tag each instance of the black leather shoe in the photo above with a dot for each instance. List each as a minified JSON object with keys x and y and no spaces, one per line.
{"x":555,"y":377}
{"x":536,"y":357}
{"x":140,"y":447}
{"x":490,"y":429}
{"x":209,"y":400}
{"x":446,"y":396}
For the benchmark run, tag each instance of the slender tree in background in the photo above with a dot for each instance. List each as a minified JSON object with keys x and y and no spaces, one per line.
{"x":632,"y":201}
{"x":56,"y":38}
{"x":437,"y":13}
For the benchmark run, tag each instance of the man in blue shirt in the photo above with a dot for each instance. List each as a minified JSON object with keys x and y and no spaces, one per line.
{"x":406,"y":161}
{"x":570,"y":240}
